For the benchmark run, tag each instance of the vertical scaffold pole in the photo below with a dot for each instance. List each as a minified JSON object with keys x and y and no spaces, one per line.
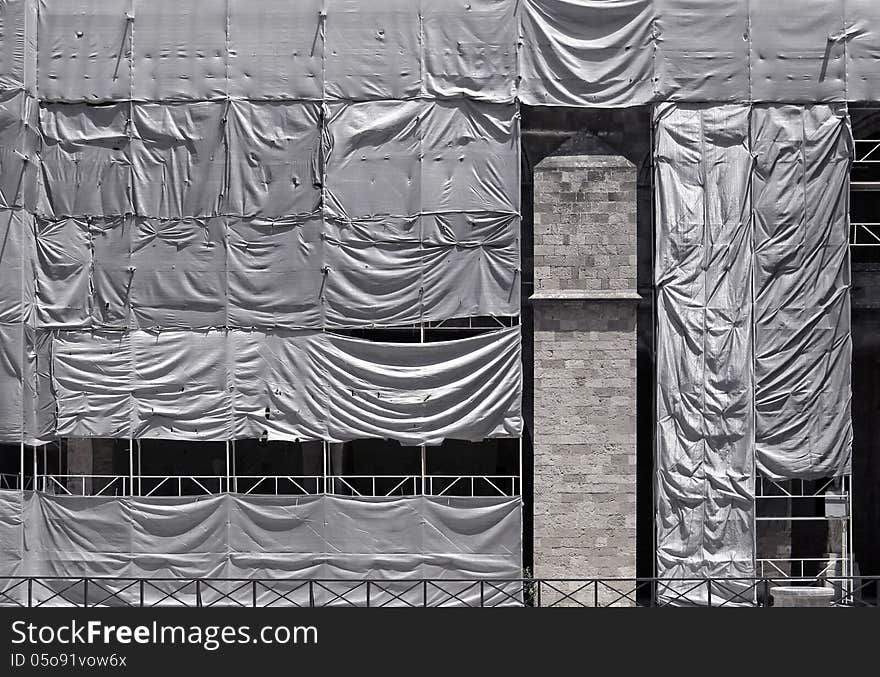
{"x":130,"y":466}
{"x":234,"y":468}
{"x":325,"y":452}
{"x":424,"y":469}
{"x":227,"y":465}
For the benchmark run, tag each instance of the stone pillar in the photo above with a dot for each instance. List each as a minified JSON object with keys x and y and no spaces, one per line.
{"x":585,"y":305}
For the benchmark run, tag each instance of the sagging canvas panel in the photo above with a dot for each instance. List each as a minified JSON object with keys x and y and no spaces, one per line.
{"x":218,"y":385}
{"x":389,"y":540}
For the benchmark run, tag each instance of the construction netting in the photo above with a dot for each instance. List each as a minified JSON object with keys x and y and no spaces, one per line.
{"x":753,"y":343}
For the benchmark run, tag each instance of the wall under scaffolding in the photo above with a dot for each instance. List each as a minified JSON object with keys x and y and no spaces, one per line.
{"x":279,"y":250}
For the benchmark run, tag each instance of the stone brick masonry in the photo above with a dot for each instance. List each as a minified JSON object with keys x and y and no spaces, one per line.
{"x":585,"y":368}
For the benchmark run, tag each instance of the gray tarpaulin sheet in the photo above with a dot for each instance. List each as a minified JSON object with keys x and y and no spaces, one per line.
{"x":271,"y":537}
{"x":218,"y":385}
{"x":556,"y":52}
{"x":235,"y":203}
{"x":803,"y":349}
{"x":192,"y":193}
{"x":754,"y":344}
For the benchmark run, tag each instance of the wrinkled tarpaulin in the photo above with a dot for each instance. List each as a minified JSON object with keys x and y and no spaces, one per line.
{"x":219,"y":385}
{"x":562,"y":52}
{"x":271,"y":537}
{"x":753,"y":345}
{"x":184,"y":172}
{"x":363,"y":156}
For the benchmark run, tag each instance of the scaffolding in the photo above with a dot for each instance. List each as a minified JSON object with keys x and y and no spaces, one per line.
{"x":775,"y":501}
{"x":35,"y":471}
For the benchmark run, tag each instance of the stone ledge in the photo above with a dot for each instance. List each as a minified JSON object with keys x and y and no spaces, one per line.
{"x":585,"y":295}
{"x":583,"y":162}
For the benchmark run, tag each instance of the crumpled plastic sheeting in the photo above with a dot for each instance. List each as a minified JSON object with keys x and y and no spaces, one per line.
{"x":803,"y":347}
{"x":290,"y":273}
{"x":403,"y":158}
{"x":705,"y":411}
{"x":687,"y":64}
{"x":393,"y":540}
{"x":12,"y":357}
{"x":862,"y":36}
{"x":27,"y":408}
{"x":19,"y":167}
{"x":469,"y":48}
{"x":383,"y":213}
{"x":285,"y":385}
{"x":753,"y":319}
{"x":276,"y":49}
{"x":606,"y":53}
{"x":571,"y":52}
{"x":422,"y":393}
{"x":797,"y":50}
{"x":17,"y":272}
{"x":83,"y":50}
{"x":18,"y":32}
{"x":586,"y":52}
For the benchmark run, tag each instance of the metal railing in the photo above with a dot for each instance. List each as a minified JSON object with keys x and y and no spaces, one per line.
{"x":90,"y":592}
{"x":864,"y":234}
{"x":277,"y":485}
{"x":867,"y":151}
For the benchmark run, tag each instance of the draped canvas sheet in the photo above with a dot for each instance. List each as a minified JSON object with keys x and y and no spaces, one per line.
{"x":627,"y":52}
{"x":267,"y":159}
{"x":705,"y":395}
{"x":803,"y":347}
{"x":19,"y":143}
{"x":586,"y":52}
{"x":336,"y":49}
{"x":272,"y":537}
{"x":244,"y":214}
{"x":572,"y":52}
{"x":753,"y":318}
{"x":284,"y":385}
{"x":291,"y":273}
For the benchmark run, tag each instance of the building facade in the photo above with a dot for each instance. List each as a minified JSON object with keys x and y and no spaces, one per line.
{"x":405,"y":291}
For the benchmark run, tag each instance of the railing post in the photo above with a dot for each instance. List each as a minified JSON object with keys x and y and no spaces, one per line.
{"x":30,"y":589}
{"x":254,"y":594}
{"x":198,"y":593}
{"x":311,"y":593}
{"x":368,"y":593}
{"x":85,"y":593}
{"x":425,"y":593}
{"x":709,"y":591}
{"x":538,"y":595}
{"x":482,"y":593}
{"x":596,"y":594}
{"x":141,"y":592}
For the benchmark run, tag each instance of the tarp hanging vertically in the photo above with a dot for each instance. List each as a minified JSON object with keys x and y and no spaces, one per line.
{"x":803,"y":349}
{"x":753,"y":325}
{"x":705,"y":392}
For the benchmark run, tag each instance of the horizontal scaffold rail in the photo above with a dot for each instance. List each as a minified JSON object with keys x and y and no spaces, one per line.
{"x":53,"y":591}
{"x":275,"y":485}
